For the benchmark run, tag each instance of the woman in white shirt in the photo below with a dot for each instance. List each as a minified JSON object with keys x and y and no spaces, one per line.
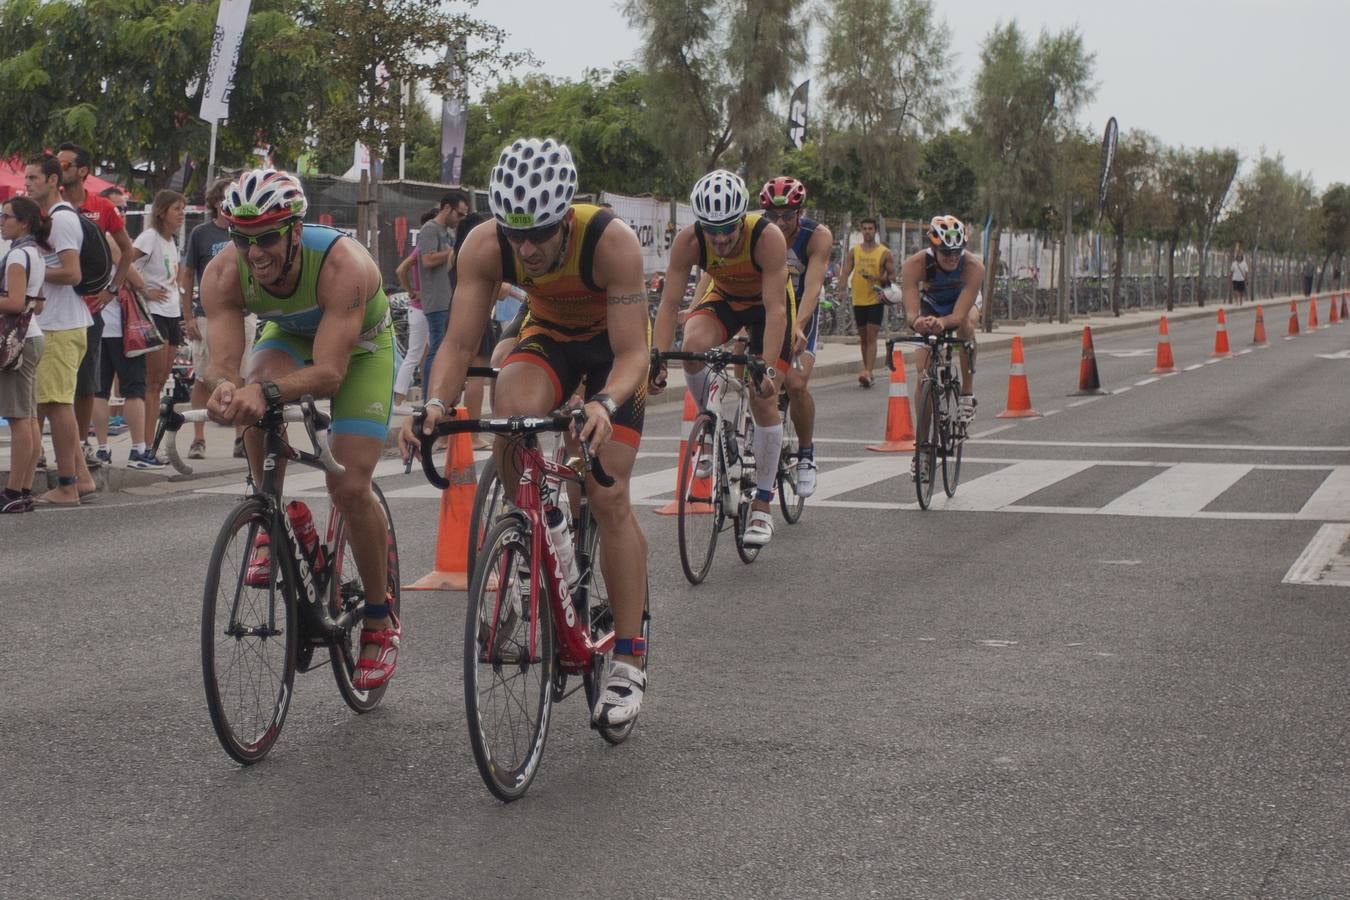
{"x":1239,"y":278}
{"x":154,"y":256}
{"x":21,"y":276}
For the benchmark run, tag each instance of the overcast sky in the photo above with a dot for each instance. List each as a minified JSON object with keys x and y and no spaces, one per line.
{"x":1245,"y":74}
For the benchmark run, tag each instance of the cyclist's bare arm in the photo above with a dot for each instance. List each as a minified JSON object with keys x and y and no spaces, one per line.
{"x":480,"y":277}
{"x":401,"y":273}
{"x":347,"y":282}
{"x":618,"y":266}
{"x":771,"y":257}
{"x":972,"y":279}
{"x":223,"y":301}
{"x":683,"y":258}
{"x":704,"y":285}
{"x":912,"y":272}
{"x":817,"y":261}
{"x":887,"y":267}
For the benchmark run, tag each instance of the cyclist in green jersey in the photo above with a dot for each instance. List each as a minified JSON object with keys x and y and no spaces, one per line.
{"x":326,"y":333}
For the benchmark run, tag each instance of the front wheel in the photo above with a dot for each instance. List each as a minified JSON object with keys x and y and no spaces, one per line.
{"x":347,"y":596}
{"x":927,"y":444}
{"x":745,"y":492}
{"x":248,"y":637}
{"x":791,"y":502}
{"x":954,"y":438}
{"x":509,"y":659}
{"x":488,"y":501}
{"x":700,"y":499}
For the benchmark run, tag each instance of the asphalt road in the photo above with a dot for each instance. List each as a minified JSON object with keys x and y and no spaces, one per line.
{"x":1083,"y":676}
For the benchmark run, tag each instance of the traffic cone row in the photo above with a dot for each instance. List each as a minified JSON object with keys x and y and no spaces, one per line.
{"x":701,"y":487}
{"x":1293,"y":318}
{"x":1334,"y":316}
{"x":1089,"y":382}
{"x":899,"y":417}
{"x":1165,"y":364}
{"x":1221,"y":348}
{"x":1312,"y":313}
{"x":1259,"y":335}
{"x":451,"y":572}
{"x":1019,"y":393}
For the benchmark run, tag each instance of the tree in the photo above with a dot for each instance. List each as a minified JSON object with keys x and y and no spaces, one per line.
{"x":946,"y":180}
{"x":715,"y":66}
{"x":884,"y":87}
{"x":1127,"y":197}
{"x":1335,"y":226}
{"x":1212,"y":174}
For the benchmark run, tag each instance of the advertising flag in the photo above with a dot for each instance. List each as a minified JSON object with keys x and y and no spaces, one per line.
{"x":220,"y":66}
{"x":796,"y":124}
{"x":454,"y":115}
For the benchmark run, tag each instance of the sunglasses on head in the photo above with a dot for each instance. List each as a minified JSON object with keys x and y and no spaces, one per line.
{"x":265,"y":241}
{"x":720,"y":230}
{"x":536,"y":236}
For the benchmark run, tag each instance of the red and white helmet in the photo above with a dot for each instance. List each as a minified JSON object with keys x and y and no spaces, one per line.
{"x":264,"y":197}
{"x":783,"y":192}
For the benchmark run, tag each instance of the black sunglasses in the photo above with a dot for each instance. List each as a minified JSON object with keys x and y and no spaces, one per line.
{"x":781,"y":215}
{"x":536,"y":236}
{"x":266,"y":241}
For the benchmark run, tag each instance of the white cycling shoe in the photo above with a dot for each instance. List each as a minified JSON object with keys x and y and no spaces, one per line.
{"x":621,"y":700}
{"x":760,"y":530}
{"x":704,"y":467}
{"x":806,"y":477}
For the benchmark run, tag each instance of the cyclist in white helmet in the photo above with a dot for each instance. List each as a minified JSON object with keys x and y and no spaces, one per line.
{"x":744,"y":262}
{"x":940,"y":287}
{"x":581,"y":270}
{"x":325,"y":332}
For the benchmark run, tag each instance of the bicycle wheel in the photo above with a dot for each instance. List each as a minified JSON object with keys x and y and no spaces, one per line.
{"x":488,"y":502}
{"x":346,"y":595}
{"x":927,"y":444}
{"x":596,"y":595}
{"x":953,"y":438}
{"x":248,"y":638}
{"x":744,"y":492}
{"x":791,"y":502}
{"x":700,"y":500}
{"x":509,"y":660}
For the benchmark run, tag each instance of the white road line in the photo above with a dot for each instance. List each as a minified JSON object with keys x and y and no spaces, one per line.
{"x":1051,"y":412}
{"x":653,"y":484}
{"x":1326,"y":559}
{"x":1128,"y":387}
{"x":1085,"y":401}
{"x":995,"y":430}
{"x":1145,"y":381}
{"x":1262,"y":448}
{"x":1243,"y":352}
{"x":1008,"y":485}
{"x":1192,"y":368}
{"x":1211,"y":361}
{"x":1183,"y":490}
{"x":833,"y":482}
{"x":1331,"y":500}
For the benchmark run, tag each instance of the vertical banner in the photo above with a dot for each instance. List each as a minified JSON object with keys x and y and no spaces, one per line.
{"x":454,"y":115}
{"x":1108,"y":156}
{"x":796,"y":124}
{"x":220,"y":66}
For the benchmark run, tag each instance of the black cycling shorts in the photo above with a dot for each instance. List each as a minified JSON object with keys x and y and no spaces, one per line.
{"x":567,"y":363}
{"x":869,"y":315}
{"x":751,"y":318}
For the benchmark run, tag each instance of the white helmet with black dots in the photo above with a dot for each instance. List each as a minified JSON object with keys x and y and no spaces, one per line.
{"x":532,"y":184}
{"x":719,"y":197}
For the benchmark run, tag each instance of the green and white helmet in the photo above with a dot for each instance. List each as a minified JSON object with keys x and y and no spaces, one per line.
{"x":263,"y":197}
{"x":532,"y":184}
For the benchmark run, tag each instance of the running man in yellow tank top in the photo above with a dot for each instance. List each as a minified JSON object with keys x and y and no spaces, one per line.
{"x":745,"y":261}
{"x":868,"y":267}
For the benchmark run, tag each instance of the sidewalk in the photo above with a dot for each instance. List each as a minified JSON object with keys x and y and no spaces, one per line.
{"x":836,"y":356}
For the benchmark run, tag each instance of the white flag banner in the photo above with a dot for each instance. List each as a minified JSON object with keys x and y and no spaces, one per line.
{"x":650,"y":220}
{"x":225,"y":44}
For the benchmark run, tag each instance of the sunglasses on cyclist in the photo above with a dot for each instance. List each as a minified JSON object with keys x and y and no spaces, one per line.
{"x":781,"y":215}
{"x":536,"y":236}
{"x":265,"y":241}
{"x":950,"y":251}
{"x":720,"y":230}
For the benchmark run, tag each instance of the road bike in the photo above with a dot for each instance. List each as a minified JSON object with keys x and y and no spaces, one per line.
{"x":258,"y":631}
{"x":527,"y":630}
{"x":939,"y":431}
{"x":716,"y":480}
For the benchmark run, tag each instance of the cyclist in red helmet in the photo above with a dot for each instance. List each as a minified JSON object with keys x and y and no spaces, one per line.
{"x":808,"y":257}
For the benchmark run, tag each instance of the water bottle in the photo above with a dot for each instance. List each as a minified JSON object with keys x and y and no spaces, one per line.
{"x":561,"y":539}
{"x":302,"y":523}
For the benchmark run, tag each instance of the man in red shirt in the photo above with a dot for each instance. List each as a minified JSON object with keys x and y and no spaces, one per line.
{"x":76,"y":166}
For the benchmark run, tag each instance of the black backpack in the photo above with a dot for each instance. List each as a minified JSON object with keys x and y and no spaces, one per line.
{"x":95,"y":259}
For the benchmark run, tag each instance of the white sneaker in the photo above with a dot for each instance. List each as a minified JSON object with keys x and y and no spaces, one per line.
{"x":621,"y":700}
{"x":704,"y":467}
{"x":806,"y":477}
{"x":965,"y":409}
{"x":760,"y":530}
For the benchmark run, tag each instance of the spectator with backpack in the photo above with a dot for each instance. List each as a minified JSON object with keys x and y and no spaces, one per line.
{"x":63,"y":321}
{"x":21,"y":277}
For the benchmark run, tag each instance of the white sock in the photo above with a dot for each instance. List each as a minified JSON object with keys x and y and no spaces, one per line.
{"x":697,"y":382}
{"x":766,"y":445}
{"x":139,"y":448}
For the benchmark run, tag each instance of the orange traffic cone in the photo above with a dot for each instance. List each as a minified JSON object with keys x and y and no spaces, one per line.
{"x":701,"y":487}
{"x":899,"y":418}
{"x":1312,"y":313}
{"x":1019,"y":394}
{"x":1165,"y":362}
{"x":1334,"y":316}
{"x":1259,"y":335}
{"x":1221,"y":348}
{"x":1088,"y":381}
{"x":452,"y":534}
{"x":1345,"y":310}
{"x":1293,"y":318}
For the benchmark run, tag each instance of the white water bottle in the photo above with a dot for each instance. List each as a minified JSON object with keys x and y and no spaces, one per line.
{"x":561,"y":539}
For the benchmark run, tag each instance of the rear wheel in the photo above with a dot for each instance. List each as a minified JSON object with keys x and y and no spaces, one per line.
{"x":346,"y":597}
{"x":248,"y":638}
{"x":954,"y":438}
{"x":509,"y":660}
{"x":927,"y":444}
{"x":700,"y":500}
{"x":788,"y":498}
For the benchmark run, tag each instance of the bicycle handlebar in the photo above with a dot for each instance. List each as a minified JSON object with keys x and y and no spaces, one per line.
{"x":303,"y":410}
{"x":718,"y":357}
{"x":933,"y":341}
{"x":517,"y":425}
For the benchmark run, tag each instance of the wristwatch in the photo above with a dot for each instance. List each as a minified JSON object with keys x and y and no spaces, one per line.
{"x":271,"y":393}
{"x":607,"y":402}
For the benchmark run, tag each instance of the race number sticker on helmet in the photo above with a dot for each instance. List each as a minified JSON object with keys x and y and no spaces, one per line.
{"x":264,"y":196}
{"x":948,"y":232}
{"x":719,"y":197}
{"x":532,"y":184}
{"x":783,"y":192}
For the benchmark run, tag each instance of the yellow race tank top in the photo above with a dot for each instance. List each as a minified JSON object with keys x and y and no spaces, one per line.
{"x":866,"y":273}
{"x":736,"y":278}
{"x":566,"y":304}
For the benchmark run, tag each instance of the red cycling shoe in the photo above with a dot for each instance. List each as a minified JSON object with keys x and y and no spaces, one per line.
{"x":259,"y":574}
{"x":376,"y":672}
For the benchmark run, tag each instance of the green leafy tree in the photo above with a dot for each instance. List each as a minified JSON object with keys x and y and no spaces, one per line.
{"x":1128,"y":198}
{"x":1335,"y":207}
{"x":1211,"y":183}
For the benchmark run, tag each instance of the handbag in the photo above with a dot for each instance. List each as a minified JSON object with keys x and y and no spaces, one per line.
{"x":14,"y":330}
{"x":139,"y":332}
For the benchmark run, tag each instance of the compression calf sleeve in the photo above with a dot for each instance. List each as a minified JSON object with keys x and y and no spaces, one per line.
{"x":697,"y":382}
{"x":767,"y":444}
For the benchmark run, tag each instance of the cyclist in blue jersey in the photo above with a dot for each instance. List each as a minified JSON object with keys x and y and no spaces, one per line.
{"x":326,"y":332}
{"x":940,"y":287}
{"x":808,"y":256}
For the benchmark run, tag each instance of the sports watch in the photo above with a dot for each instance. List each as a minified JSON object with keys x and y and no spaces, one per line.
{"x":607,"y":402}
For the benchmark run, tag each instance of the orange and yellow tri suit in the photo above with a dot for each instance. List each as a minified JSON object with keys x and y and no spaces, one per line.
{"x":565,"y":330}
{"x":735,"y":284}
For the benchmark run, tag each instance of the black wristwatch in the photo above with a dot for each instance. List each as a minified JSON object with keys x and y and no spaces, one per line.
{"x":607,"y":402}
{"x":271,"y":393}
